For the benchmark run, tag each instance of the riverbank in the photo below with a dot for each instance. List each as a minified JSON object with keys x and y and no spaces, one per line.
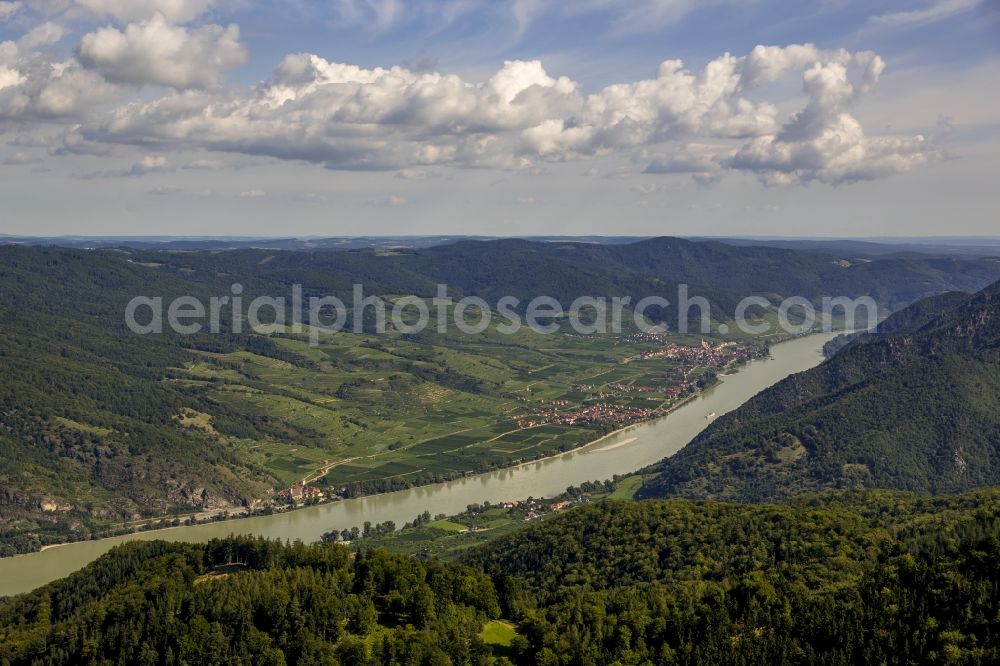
{"x":653,"y":441}
{"x":585,"y":437}
{"x":216,"y":516}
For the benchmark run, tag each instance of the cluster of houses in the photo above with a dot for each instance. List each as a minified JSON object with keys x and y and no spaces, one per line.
{"x":706,"y":354}
{"x":540,"y":510}
{"x":596,"y":413}
{"x":533,"y":508}
{"x":300,"y":492}
{"x":647,"y":338}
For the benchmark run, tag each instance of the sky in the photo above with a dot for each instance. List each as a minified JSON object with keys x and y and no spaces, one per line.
{"x":835,"y":118}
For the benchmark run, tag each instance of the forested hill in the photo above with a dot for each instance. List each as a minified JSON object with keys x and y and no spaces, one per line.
{"x":89,"y":411}
{"x":908,"y":320}
{"x":721,"y":273}
{"x":893,"y":282}
{"x":918,"y":409}
{"x":244,"y":601}
{"x":837,"y":579}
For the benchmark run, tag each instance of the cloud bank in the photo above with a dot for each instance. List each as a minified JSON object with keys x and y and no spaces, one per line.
{"x":159,"y":84}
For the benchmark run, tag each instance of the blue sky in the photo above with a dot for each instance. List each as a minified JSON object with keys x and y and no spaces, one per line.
{"x":499,"y":117}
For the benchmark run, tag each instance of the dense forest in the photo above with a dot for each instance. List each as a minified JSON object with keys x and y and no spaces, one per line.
{"x":914,"y":406}
{"x":250,"y":601}
{"x":837,"y":579}
{"x":857,"y":579}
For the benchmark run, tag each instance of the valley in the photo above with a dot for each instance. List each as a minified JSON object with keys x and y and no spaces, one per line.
{"x":644,"y":444}
{"x":108,"y":430}
{"x":517,"y":333}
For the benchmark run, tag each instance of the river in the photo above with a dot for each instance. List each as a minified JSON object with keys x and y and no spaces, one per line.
{"x":625,"y":451}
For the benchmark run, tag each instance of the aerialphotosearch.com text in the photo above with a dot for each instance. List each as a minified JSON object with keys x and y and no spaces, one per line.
{"x":317,"y":316}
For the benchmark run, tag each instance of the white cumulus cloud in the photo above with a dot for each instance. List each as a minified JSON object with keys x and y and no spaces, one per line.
{"x":159,"y":53}
{"x":33,"y":89}
{"x":10,"y":77}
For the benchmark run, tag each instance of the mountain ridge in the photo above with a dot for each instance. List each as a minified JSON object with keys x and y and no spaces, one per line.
{"x":915,"y":410}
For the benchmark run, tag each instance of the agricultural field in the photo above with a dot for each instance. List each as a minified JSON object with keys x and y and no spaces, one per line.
{"x":366,"y":413}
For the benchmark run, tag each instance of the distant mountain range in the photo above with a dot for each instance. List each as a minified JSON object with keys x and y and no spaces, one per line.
{"x":307,"y":243}
{"x":721,"y":272}
{"x":971,"y":246}
{"x":913,"y":406}
{"x":985,"y":246}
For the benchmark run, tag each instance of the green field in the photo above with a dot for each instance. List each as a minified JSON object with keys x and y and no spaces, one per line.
{"x":499,"y":635}
{"x":366,"y":413}
{"x":627,"y":487}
